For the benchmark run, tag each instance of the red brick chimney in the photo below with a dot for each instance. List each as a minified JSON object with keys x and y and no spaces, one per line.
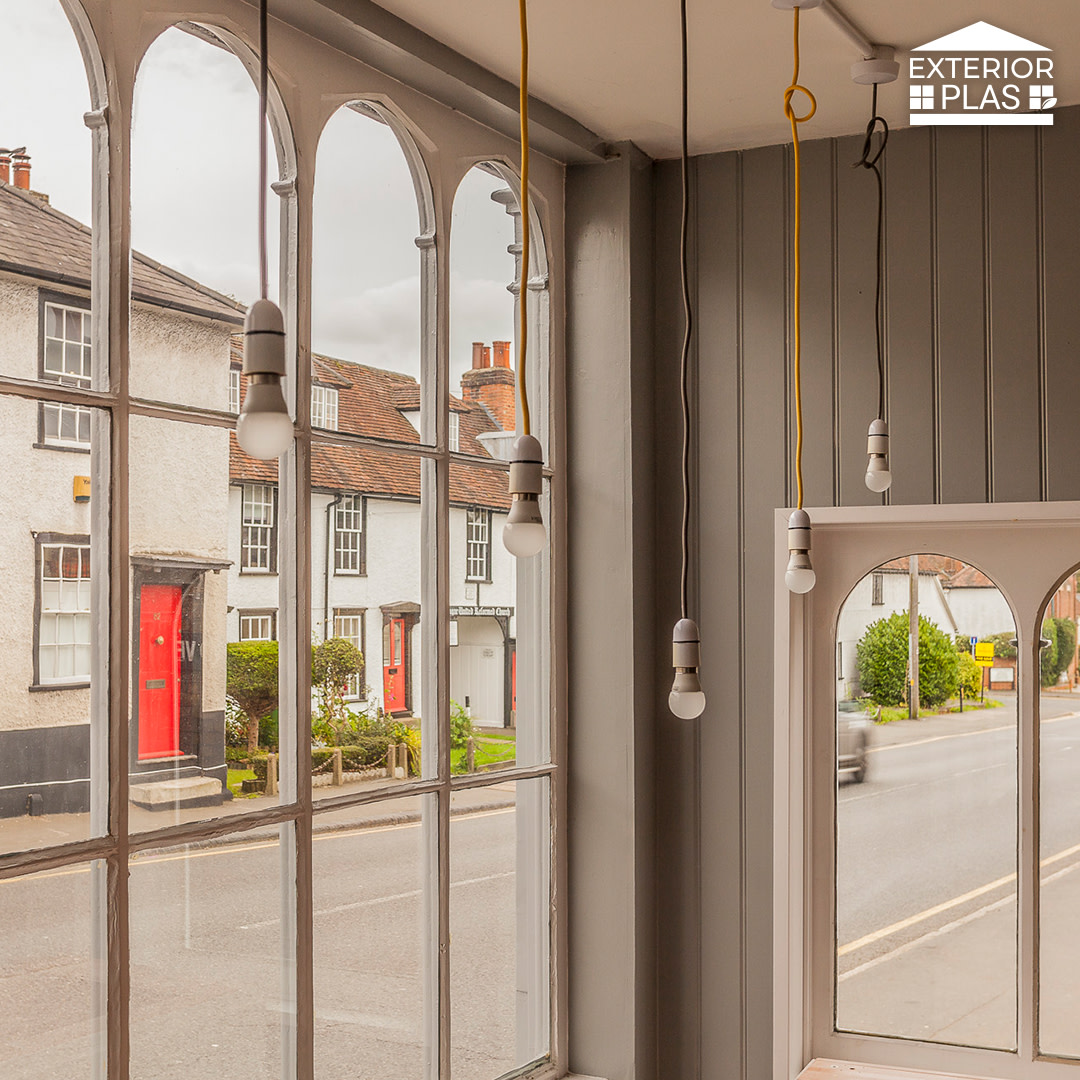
{"x":5,"y":166}
{"x":492,"y":386}
{"x":22,"y":171}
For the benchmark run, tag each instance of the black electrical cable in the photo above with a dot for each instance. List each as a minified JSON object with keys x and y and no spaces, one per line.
{"x":685,"y":360}
{"x":264,"y":288}
{"x":869,"y":160}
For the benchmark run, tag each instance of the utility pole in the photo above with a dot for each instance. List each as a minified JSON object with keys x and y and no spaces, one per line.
{"x":913,"y":635}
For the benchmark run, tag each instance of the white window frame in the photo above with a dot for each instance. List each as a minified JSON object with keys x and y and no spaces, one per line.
{"x":454,"y":433}
{"x":61,"y":409}
{"x":54,"y":612}
{"x":234,"y":388}
{"x":324,"y":407}
{"x":477,"y":544}
{"x":344,"y":620}
{"x":258,"y":527}
{"x":264,"y":621}
{"x":349,"y":521}
{"x":1019,"y":546}
{"x":83,"y":345}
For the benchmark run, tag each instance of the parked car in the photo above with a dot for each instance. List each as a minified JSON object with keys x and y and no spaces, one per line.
{"x":854,"y":722}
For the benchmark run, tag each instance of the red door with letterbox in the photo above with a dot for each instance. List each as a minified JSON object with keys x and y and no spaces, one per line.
{"x":159,"y":671}
{"x":395,"y":671}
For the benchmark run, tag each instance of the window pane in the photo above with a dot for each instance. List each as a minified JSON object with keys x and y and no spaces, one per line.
{"x":485,"y":232}
{"x":54,"y":603}
{"x":372,"y":963}
{"x":1059,"y":830}
{"x":53,"y":988}
{"x":207,"y":953}
{"x":926,"y":808}
{"x":189,"y":92}
{"x":380,"y":725}
{"x":499,"y":928}
{"x":204,"y":708}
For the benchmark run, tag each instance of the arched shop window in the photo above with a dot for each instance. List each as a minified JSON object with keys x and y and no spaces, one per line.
{"x":937,"y":851}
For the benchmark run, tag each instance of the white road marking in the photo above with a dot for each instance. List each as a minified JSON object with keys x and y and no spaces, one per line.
{"x":964,"y":734}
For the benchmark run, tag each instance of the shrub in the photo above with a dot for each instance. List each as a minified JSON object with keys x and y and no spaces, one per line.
{"x":969,"y":675}
{"x":1048,"y":655}
{"x":1003,"y":644}
{"x":882,"y":660}
{"x":1066,"y":640}
{"x":333,"y":663}
{"x":461,"y":726}
{"x":251,"y":680}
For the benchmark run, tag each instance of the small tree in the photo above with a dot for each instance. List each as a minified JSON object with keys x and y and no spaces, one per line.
{"x":333,"y":663}
{"x":882,"y":660}
{"x":251,"y":680}
{"x":969,"y":675}
{"x":1066,"y":642}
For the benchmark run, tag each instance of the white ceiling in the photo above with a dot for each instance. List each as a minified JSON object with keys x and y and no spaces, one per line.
{"x":613,"y":65}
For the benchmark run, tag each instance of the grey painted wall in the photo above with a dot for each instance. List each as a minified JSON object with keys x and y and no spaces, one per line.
{"x":983,"y":330}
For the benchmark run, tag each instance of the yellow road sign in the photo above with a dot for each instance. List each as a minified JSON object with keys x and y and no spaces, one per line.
{"x":985,"y":663}
{"x":984,"y":650}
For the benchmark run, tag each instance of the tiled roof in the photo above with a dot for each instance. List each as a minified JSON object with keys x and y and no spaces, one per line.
{"x":370,"y":403}
{"x":39,"y":241}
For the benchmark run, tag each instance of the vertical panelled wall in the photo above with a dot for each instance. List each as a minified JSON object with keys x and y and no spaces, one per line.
{"x":983,"y":380}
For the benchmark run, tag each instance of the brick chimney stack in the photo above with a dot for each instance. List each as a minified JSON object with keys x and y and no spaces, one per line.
{"x":492,"y":385}
{"x":5,"y":166}
{"x":22,"y":170}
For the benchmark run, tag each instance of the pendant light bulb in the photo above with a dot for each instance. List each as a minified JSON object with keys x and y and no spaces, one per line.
{"x":878,"y":477}
{"x":687,"y":699}
{"x":264,"y":429}
{"x":800,"y":576}
{"x":524,"y":534}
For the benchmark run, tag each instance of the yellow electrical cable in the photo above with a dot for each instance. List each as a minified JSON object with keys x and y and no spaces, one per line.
{"x":796,"y":120}
{"x":523,"y":297}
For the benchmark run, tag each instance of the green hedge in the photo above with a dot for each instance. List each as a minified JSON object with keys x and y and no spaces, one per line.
{"x":369,"y":752}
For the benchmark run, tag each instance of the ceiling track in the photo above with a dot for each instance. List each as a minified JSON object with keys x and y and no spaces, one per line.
{"x":844,"y":24}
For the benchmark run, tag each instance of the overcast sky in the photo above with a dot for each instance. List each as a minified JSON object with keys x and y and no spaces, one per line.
{"x":194,"y":161}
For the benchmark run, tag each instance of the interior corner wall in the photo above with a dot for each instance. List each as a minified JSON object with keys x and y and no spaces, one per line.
{"x":982,"y":335}
{"x":610,"y":761}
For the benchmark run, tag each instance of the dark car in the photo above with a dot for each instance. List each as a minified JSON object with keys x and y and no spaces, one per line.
{"x":854,"y":721}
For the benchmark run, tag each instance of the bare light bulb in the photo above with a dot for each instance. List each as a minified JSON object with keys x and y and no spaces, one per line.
{"x":799,"y":576}
{"x":523,"y":534}
{"x":687,"y":699}
{"x":263,"y":427}
{"x":878,"y":476}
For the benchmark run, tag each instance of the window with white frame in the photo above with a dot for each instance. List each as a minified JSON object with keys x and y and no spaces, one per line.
{"x":234,"y":389}
{"x":938,"y":865}
{"x":478,"y":545}
{"x":64,"y":425}
{"x":205,"y":578}
{"x":63,"y":624}
{"x":349,"y":624}
{"x":455,"y":432}
{"x":66,"y":344}
{"x":349,"y":535}
{"x":258,"y":625}
{"x":257,"y":528}
{"x":324,"y":407}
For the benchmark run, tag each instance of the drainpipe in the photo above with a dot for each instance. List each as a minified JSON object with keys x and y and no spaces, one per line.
{"x":330,"y":508}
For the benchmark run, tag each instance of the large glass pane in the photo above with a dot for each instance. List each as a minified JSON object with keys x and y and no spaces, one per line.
{"x":52,"y":974}
{"x":1059,"y":826}
{"x":366,"y":286}
{"x":926,"y":806}
{"x":372,"y":610}
{"x":194,"y":160}
{"x":54,"y":618}
{"x":374,"y":968}
{"x":206,"y":736}
{"x":484,"y":251}
{"x":208,"y":975}
{"x":499,"y":927}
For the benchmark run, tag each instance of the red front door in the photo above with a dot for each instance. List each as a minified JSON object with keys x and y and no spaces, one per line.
{"x":159,"y":671}
{"x":395,"y":672}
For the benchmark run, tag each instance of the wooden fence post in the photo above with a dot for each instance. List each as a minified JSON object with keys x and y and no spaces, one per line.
{"x":470,"y":755}
{"x":271,"y":774}
{"x":339,"y":778}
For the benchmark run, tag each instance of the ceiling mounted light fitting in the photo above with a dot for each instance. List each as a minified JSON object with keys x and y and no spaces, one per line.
{"x":800,"y":576}
{"x":881,"y":67}
{"x":878,"y":476}
{"x":687,"y":699}
{"x":523,"y":534}
{"x":263,"y":428}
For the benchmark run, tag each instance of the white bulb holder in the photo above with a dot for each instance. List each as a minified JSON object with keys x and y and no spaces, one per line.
{"x":879,"y":68}
{"x":878,"y":476}
{"x":687,"y":699}
{"x":788,"y":5}
{"x":799,"y":576}
{"x":524,"y":534}
{"x":264,"y":428}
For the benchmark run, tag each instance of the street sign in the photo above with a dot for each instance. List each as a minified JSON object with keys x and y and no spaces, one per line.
{"x":973,"y":641}
{"x":985,"y":663}
{"x":984,"y":650}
